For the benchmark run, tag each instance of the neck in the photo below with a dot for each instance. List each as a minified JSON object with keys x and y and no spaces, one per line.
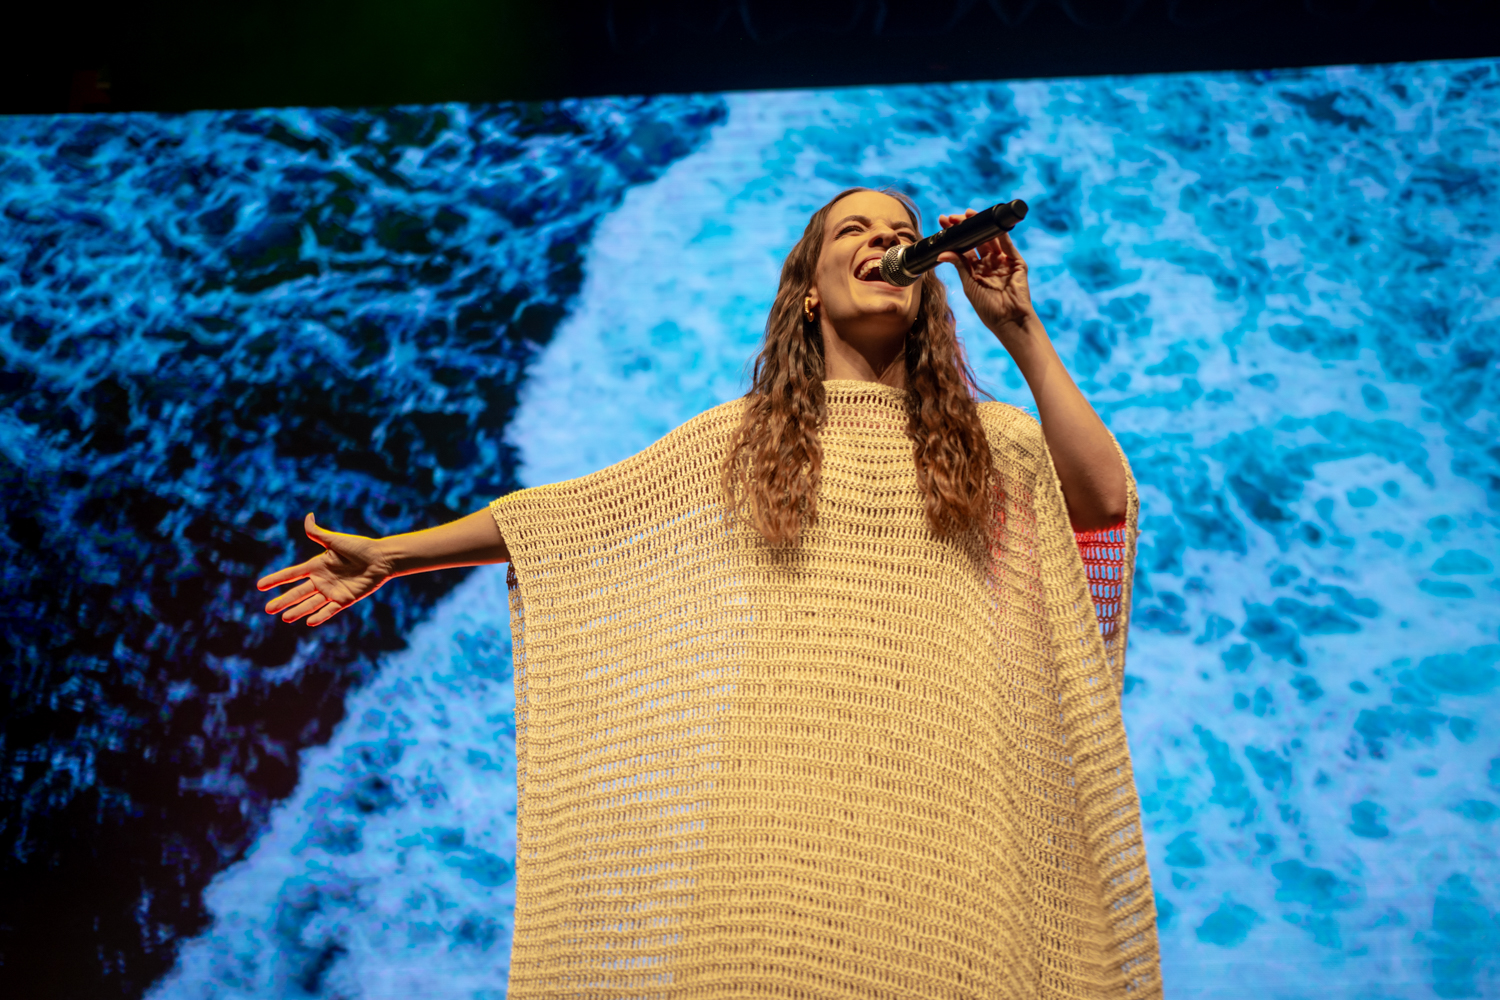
{"x":883,"y":361}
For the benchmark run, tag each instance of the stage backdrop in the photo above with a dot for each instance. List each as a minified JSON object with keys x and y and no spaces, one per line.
{"x":1279,"y":289}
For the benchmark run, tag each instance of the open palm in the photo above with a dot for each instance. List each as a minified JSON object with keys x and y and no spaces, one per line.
{"x":349,"y":569}
{"x":994,"y":278}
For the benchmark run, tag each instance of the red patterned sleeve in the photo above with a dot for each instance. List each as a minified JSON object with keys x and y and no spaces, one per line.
{"x":1103,"y":551}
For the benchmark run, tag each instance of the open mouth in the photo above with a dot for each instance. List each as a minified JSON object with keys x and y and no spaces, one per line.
{"x":869,"y":271}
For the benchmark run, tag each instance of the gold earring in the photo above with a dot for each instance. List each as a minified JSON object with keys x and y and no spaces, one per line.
{"x":807,"y":308}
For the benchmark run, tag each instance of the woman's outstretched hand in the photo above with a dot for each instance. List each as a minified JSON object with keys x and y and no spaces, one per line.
{"x":994,"y":277}
{"x":350,"y":568}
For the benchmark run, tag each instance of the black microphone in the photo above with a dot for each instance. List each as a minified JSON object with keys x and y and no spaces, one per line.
{"x":903,"y":265}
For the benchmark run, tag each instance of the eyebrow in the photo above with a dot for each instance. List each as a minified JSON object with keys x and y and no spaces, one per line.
{"x":866,"y":220}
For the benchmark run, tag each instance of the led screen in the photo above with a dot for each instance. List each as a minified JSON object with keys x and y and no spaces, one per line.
{"x":1279,"y":289}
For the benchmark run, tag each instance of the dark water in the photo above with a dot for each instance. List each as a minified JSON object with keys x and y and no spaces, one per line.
{"x":212,"y":324}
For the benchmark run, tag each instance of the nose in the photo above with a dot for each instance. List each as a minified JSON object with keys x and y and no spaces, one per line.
{"x":884,"y":237}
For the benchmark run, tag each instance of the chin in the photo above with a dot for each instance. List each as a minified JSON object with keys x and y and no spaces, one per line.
{"x":876,"y":301}
{"x":896,"y":313}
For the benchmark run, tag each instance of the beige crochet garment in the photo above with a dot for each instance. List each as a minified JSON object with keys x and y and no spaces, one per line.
{"x":877,"y":766}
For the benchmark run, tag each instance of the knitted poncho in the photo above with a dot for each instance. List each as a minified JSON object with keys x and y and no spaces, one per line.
{"x":878,"y":765}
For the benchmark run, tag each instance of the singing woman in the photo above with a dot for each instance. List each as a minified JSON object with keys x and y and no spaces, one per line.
{"x":819,"y":695}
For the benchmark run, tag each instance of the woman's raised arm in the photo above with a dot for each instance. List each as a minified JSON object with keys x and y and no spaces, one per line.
{"x":352,"y":567}
{"x":1087,"y":463}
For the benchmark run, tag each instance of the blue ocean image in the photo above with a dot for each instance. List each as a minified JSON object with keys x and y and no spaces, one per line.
{"x":1281,"y":290}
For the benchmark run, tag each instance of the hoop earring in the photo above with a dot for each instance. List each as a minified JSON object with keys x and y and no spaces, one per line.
{"x":807,"y":308}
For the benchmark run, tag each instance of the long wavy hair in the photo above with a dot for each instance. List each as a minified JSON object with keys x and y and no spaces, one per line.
{"x":775,"y":459}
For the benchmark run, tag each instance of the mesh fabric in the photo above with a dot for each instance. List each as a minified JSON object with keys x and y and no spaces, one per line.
{"x":877,"y":765}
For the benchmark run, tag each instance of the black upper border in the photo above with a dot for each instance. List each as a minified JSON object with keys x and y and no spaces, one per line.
{"x":177,"y":56}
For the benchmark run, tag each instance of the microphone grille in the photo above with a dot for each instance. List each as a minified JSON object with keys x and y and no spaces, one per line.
{"x":891,"y":269}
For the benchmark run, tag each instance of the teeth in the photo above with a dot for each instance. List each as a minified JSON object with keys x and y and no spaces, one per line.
{"x":864,"y":271}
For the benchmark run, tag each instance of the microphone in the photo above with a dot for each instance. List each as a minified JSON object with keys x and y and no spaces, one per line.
{"x":903,"y":265}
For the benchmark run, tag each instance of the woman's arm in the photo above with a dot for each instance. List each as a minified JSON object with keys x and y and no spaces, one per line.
{"x":352,"y":567}
{"x":1093,"y":478}
{"x":472,"y":540}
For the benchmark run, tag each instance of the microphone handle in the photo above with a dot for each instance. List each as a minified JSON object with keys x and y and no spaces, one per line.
{"x":903,"y":265}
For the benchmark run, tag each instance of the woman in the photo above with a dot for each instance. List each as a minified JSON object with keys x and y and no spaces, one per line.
{"x":812,"y":694}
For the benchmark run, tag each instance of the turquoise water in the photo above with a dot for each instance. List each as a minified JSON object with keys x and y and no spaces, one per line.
{"x":1280,"y":290}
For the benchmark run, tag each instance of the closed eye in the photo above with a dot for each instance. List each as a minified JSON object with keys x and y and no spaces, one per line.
{"x":904,"y":234}
{"x":852,"y":224}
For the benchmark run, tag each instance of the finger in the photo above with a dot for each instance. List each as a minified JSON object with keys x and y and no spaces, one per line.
{"x":949,"y":221}
{"x":1001,"y":252}
{"x":324,"y":613}
{"x":316,"y":532}
{"x":306,"y":608}
{"x":999,"y":245}
{"x":990,"y":250}
{"x":285,"y":575}
{"x":286,"y":600}
{"x":1009,"y":246}
{"x":960,"y":261}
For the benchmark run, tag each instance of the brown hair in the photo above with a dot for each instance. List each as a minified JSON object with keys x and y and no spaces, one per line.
{"x":775,"y":454}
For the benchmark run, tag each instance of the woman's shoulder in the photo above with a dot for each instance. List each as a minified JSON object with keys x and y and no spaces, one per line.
{"x":714,"y":420}
{"x":1014,"y":434}
{"x":1008,"y":420}
{"x":709,"y":429}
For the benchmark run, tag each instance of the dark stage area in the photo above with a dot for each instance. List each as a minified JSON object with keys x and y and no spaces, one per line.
{"x":133,"y":56}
